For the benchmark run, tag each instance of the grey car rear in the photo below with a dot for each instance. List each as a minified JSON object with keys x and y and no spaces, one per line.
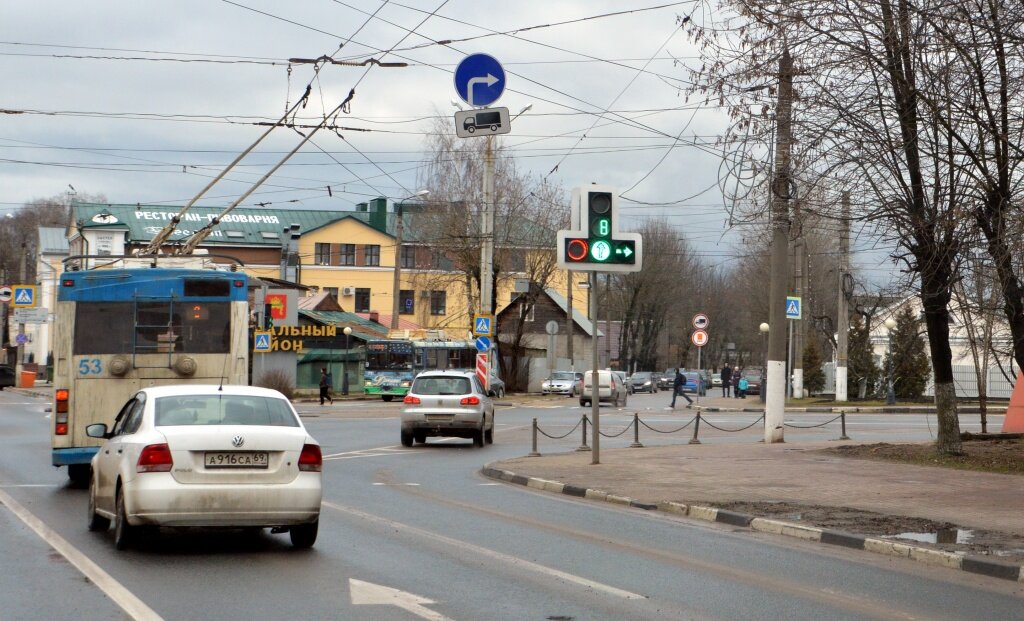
{"x":447,"y":404}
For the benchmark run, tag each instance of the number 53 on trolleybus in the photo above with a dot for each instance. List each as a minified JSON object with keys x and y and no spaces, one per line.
{"x":134,"y":325}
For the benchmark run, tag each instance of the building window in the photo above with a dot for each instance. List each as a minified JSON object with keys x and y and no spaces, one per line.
{"x":372,"y":254}
{"x":406,"y":302}
{"x":331,"y":290}
{"x":348,"y":254}
{"x":408,"y":257}
{"x":437,"y":302}
{"x":362,"y":300}
{"x":517,"y":262}
{"x":323,"y":253}
{"x":526,"y":311}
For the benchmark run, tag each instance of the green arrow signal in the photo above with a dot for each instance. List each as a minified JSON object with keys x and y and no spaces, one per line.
{"x":624,"y":250}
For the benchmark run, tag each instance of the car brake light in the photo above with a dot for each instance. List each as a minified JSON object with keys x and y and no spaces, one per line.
{"x":411,"y":400}
{"x":60,"y":419}
{"x":61,"y":398}
{"x":155,"y":458}
{"x":473,"y":400}
{"x":311,"y":460}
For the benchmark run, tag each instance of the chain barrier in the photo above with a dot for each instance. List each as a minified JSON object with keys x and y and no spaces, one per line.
{"x":813,"y":426}
{"x":759,"y":418}
{"x":547,"y":435}
{"x":673,"y":431}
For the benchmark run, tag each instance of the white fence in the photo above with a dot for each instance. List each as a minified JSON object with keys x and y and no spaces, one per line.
{"x":964,"y":379}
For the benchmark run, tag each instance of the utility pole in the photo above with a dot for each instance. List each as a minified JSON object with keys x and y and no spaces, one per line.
{"x":781,"y":190}
{"x":19,"y":362}
{"x":843,"y":312}
{"x":487,"y":232}
{"x":797,"y":362}
{"x":398,"y":265}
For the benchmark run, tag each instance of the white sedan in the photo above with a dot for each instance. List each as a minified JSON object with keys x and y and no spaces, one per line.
{"x":206,"y":456}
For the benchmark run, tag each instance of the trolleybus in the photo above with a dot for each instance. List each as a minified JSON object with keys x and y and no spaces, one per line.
{"x":391,"y":364}
{"x":123,"y":328}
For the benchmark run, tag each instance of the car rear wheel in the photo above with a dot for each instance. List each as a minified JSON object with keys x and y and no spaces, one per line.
{"x":419,"y":437}
{"x":96,"y":521}
{"x":406,"y":438}
{"x":489,"y":434}
{"x":478,"y":437}
{"x":583,"y":403}
{"x":79,"y":473}
{"x":303,"y":536}
{"x":387,"y":397}
{"x":124,"y":533}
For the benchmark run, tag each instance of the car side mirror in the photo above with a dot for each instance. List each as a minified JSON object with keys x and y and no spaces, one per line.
{"x":96,"y":430}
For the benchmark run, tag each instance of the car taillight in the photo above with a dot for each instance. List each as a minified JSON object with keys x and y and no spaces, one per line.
{"x":473,"y":400}
{"x":155,"y":458}
{"x":60,"y":419}
{"x":411,"y":400}
{"x":311,"y":460}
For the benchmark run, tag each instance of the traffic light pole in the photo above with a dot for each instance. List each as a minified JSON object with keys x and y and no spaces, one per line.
{"x":487,"y":246}
{"x":595,"y":379}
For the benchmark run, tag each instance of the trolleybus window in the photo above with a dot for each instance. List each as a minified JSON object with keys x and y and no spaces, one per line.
{"x":158,"y":327}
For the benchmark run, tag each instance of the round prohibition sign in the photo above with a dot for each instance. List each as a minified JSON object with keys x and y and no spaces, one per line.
{"x":699,"y":338}
{"x":701,"y":321}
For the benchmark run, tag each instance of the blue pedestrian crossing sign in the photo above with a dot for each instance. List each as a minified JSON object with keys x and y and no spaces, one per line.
{"x":24,"y":296}
{"x":483,"y":344}
{"x":261,"y":342}
{"x":792,"y":307}
{"x":483,"y":325}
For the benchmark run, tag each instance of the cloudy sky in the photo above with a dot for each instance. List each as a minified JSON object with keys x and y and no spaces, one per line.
{"x":144,"y":102}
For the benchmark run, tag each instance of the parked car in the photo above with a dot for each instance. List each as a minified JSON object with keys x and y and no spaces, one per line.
{"x":497,"y":387}
{"x":7,"y":377}
{"x":695,"y":383}
{"x":449,"y":404}
{"x":625,"y":381}
{"x":666,"y":379}
{"x":562,"y":383}
{"x":192,"y":455}
{"x":610,"y":388}
{"x":754,"y":381}
{"x":644,"y":381}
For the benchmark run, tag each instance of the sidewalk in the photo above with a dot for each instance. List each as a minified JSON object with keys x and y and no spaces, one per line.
{"x":818,"y":490}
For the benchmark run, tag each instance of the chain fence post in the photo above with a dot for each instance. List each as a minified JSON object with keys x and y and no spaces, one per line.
{"x":842,"y":416}
{"x":696,"y":427}
{"x":534,"y":452}
{"x":584,"y":447}
{"x":636,"y":431}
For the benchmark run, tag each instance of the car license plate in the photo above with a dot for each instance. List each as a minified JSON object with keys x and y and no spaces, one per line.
{"x":237,"y":459}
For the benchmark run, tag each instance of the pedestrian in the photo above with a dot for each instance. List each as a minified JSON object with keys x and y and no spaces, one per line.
{"x":677,"y":389}
{"x":741,"y":387}
{"x":325,"y":386}
{"x":735,"y":382}
{"x":726,"y":379}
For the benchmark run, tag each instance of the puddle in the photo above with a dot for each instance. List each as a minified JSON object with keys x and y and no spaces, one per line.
{"x":944,"y":535}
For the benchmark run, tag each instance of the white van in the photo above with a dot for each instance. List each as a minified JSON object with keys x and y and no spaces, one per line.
{"x":610,"y":388}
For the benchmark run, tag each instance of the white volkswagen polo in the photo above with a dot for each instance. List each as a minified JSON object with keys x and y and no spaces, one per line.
{"x":206,"y":456}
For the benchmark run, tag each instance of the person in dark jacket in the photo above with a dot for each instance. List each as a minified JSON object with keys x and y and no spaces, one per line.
{"x":726,"y":379}
{"x":677,"y":389}
{"x":325,"y":386}
{"x":735,"y":381}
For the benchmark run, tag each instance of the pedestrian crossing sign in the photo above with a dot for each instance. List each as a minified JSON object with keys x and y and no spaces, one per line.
{"x":483,"y":325}
{"x":261,"y":342}
{"x":792,"y":307}
{"x":24,"y":296}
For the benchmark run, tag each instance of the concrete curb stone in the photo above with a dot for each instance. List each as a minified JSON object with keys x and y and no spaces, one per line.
{"x":972,"y":564}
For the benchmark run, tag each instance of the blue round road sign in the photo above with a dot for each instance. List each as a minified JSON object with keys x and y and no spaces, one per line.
{"x":479,"y":80}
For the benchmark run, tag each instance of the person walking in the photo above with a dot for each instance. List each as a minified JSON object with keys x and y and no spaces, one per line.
{"x":735,"y":382}
{"x":325,"y":386}
{"x":726,"y":379}
{"x":741,"y":387}
{"x":677,"y":389}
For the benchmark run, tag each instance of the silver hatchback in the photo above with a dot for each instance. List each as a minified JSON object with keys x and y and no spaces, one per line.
{"x":447,"y":404}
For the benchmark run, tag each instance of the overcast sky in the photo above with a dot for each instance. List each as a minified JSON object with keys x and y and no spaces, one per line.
{"x":143,"y":102}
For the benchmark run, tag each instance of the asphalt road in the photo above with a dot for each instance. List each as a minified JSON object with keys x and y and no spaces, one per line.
{"x":418,"y":533}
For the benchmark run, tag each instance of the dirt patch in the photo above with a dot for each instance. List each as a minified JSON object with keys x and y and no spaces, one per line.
{"x":993,"y":455}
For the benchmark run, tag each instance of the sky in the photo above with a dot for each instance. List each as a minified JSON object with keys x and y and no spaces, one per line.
{"x":145,"y":102}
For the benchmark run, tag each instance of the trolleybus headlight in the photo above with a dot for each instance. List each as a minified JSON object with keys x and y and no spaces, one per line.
{"x":186,"y":365}
{"x":119,"y":365}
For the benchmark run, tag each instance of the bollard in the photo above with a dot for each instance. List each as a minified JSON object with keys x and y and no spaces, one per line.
{"x":584,"y":447}
{"x":636,"y":432}
{"x":534,"y":452}
{"x":696,"y":426}
{"x":842,"y":418}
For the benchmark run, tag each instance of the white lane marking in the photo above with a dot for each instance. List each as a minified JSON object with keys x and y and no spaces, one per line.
{"x":398,"y":484}
{"x":11,"y":486}
{"x":488,"y":484}
{"x":377,"y":594}
{"x":488,"y":553}
{"x":131,"y":605}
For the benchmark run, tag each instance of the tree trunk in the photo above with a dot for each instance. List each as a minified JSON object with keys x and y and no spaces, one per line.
{"x":935,"y":299}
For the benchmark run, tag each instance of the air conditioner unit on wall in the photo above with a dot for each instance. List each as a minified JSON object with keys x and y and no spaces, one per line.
{"x":348,"y":291}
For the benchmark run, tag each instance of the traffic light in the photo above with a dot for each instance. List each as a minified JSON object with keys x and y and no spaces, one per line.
{"x":268,"y":318}
{"x":595,"y":243}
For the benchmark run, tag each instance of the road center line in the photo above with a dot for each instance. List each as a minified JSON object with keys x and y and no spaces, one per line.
{"x":488,"y":553}
{"x":131,"y":605}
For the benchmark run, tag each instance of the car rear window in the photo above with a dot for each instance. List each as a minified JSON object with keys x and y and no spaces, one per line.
{"x":441,"y":386}
{"x":223,"y":410}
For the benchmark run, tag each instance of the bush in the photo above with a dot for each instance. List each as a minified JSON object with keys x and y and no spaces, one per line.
{"x":279,"y":381}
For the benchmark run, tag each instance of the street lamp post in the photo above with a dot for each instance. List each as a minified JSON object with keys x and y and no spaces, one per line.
{"x":890,"y":394}
{"x":344,"y":361}
{"x":764,"y":364}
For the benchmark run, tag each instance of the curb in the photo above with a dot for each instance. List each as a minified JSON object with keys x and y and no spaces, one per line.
{"x":973,"y":564}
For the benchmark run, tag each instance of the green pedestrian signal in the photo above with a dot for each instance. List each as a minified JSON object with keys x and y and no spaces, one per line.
{"x":595,"y":241}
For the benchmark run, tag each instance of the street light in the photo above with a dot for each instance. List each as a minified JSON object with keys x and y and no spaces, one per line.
{"x":890,"y":394}
{"x":764,"y":360}
{"x":344,"y":362}
{"x":399,"y":225}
